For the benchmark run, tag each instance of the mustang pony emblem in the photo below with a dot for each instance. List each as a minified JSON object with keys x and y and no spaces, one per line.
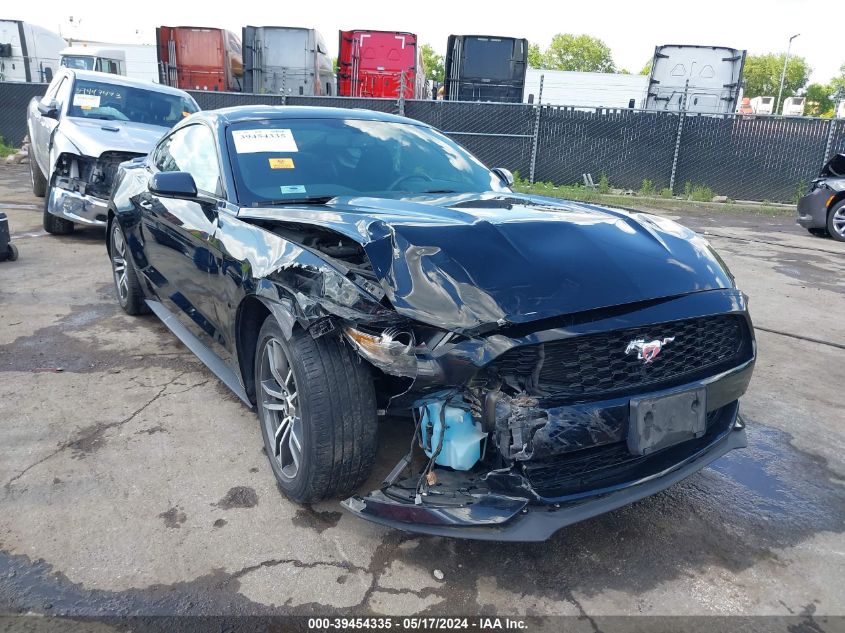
{"x":647,"y":351}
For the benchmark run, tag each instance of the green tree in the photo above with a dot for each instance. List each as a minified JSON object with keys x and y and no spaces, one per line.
{"x":818,"y":101}
{"x":578,"y":52}
{"x":762,"y":75}
{"x":535,"y":56}
{"x":837,"y":84}
{"x":647,"y":68}
{"x":432,"y":63}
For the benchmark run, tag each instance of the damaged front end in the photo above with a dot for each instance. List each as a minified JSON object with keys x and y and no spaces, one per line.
{"x":528,"y":352}
{"x":81,"y":186}
{"x":519,"y":433}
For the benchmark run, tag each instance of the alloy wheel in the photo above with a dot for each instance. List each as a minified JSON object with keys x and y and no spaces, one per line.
{"x":118,"y":264}
{"x":838,"y":220}
{"x":280,"y":415}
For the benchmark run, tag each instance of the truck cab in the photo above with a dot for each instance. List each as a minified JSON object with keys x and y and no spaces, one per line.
{"x":28,"y":52}
{"x":103,"y":60}
{"x":485,"y":68}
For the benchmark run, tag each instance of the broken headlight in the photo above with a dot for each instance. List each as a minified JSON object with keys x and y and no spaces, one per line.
{"x":392,"y":350}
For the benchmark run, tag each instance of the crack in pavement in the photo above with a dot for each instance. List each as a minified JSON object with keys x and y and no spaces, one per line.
{"x":567,"y":595}
{"x":809,"y":339}
{"x":709,"y":234}
{"x":381,"y":559}
{"x":275,"y":562}
{"x":100,"y":428}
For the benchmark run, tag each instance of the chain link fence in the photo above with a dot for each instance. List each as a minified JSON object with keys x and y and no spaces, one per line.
{"x":738,"y":156}
{"x":499,"y":134}
{"x":627,"y":147}
{"x":752,"y":158}
{"x":14,"y":98}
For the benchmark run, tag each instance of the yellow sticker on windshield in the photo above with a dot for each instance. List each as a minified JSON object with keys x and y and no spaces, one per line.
{"x":281,"y":163}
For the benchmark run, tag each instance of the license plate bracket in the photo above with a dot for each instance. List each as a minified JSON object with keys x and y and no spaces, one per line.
{"x":656,"y":422}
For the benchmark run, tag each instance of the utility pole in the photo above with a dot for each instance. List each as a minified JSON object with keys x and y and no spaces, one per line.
{"x":783,"y":74}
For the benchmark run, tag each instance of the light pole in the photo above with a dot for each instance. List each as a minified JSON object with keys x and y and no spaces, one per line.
{"x":783,"y":74}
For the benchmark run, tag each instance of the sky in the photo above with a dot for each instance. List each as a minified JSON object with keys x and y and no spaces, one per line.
{"x":632,"y":28}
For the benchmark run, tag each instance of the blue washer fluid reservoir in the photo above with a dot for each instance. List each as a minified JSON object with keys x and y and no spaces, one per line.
{"x":461,"y":441}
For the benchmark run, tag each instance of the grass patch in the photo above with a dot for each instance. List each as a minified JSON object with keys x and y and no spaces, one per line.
{"x":6,"y":150}
{"x":665,"y":201}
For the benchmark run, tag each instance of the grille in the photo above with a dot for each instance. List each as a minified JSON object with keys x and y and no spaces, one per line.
{"x":612,"y":464}
{"x":595,"y":365}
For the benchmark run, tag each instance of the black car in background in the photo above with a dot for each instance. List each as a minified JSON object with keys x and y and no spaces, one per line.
{"x":558,"y":359}
{"x":822,"y":209}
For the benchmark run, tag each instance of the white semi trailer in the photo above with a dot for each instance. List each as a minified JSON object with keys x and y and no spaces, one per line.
{"x":28,"y":52}
{"x":793,"y":106}
{"x":763,"y":105}
{"x":585,"y":90}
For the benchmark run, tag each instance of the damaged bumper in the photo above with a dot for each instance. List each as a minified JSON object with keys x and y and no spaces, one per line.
{"x":508,"y":517}
{"x":812,"y":209}
{"x":77,"y":207}
{"x":522,"y":435}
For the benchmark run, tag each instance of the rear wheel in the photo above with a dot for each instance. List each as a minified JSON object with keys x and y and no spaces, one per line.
{"x":52,"y":223}
{"x":39,"y":182}
{"x":836,"y":221}
{"x":317,"y":407}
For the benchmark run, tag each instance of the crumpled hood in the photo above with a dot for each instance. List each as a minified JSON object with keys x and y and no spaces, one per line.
{"x":468,"y":261}
{"x":95,"y":136}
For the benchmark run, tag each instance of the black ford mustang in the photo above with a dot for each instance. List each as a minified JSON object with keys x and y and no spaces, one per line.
{"x":559,"y":359}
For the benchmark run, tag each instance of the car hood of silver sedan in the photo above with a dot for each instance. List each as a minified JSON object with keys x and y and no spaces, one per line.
{"x":471,"y":261}
{"x":92,"y":137}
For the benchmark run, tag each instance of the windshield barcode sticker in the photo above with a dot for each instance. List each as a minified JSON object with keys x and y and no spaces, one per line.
{"x":292,"y":188}
{"x":86,"y":101}
{"x":257,"y":141}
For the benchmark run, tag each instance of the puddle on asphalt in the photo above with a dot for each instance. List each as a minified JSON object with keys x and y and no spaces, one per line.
{"x":778,"y":484}
{"x":748,"y":468}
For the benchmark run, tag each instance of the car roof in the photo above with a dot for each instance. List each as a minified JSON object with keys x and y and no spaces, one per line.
{"x":227,"y":116}
{"x":123,"y":80}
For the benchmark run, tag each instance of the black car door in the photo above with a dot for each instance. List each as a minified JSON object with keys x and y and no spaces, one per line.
{"x":183,"y":259}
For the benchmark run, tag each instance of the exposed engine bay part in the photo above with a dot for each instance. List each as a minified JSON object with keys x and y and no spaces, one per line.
{"x":87,"y":175}
{"x":450,"y":435}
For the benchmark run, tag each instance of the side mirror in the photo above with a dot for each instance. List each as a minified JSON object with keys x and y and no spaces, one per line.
{"x":173,"y":184}
{"x":49,"y":109}
{"x":505,"y":175}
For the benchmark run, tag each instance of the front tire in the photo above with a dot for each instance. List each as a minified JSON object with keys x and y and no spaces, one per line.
{"x":36,"y":176}
{"x":836,"y":221}
{"x":317,"y":407}
{"x":53,"y":224}
{"x":130,"y":295}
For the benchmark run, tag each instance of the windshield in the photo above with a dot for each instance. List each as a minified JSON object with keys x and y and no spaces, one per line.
{"x":276,"y":160}
{"x":112,"y":102}
{"x":78,"y":62}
